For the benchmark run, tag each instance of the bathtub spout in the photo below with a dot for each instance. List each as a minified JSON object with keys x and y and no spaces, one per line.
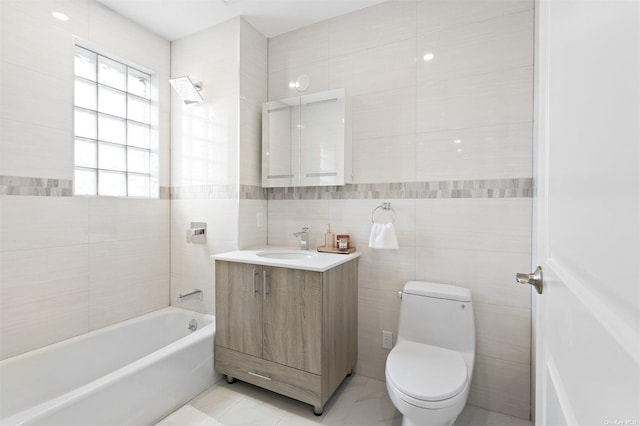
{"x":195,"y":294}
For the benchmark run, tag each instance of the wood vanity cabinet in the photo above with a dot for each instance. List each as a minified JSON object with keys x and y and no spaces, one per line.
{"x":288,"y":330}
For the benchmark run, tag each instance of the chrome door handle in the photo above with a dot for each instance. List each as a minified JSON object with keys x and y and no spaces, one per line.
{"x":265,"y":289}
{"x":535,"y":279}
{"x":256,"y":289}
{"x":260,"y":375}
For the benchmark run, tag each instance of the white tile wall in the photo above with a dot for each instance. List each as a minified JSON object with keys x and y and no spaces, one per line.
{"x":253,"y":92}
{"x":476,"y":48}
{"x":191,"y":266}
{"x":127,"y":278}
{"x":216,"y":142}
{"x":392,"y":63}
{"x":354,"y":218}
{"x":477,"y":269}
{"x":22,"y":25}
{"x":286,"y":217}
{"x":279,"y":81}
{"x":36,"y":96}
{"x":443,"y":14}
{"x":465,"y":115}
{"x":306,"y":45}
{"x":384,"y":113}
{"x":250,"y":233}
{"x":44,"y":297}
{"x":480,"y":153}
{"x":386,"y":23}
{"x":511,"y":379}
{"x":481,"y":100}
{"x":385,"y":159}
{"x":386,"y":269}
{"x":377,"y":310}
{"x":70,"y":264}
{"x":484,"y":224}
{"x":27,"y":150}
{"x":123,"y":219}
{"x":41,"y":222}
{"x":204,"y":136}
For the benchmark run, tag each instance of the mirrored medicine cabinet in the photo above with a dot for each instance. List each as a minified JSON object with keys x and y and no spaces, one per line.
{"x":306,"y":140}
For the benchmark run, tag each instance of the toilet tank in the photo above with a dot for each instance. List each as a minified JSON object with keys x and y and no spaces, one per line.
{"x":437,"y":314}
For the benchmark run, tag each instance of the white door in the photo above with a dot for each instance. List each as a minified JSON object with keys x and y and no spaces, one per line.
{"x":587,"y":320}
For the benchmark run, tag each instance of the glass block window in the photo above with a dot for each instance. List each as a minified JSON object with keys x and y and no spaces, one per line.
{"x":112,"y":127}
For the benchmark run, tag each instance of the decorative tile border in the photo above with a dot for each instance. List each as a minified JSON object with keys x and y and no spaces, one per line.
{"x":252,"y":192}
{"x":45,"y":187}
{"x":218,"y":192}
{"x":19,"y":185}
{"x":204,"y":192}
{"x":164,"y":193}
{"x":481,"y":188}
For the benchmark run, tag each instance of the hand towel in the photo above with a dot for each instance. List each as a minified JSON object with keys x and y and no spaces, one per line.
{"x":383,"y":236}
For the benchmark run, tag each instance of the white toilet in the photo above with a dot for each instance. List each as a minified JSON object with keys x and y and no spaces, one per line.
{"x":429,"y":371}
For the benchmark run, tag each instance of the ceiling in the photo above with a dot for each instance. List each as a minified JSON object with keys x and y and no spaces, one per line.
{"x":175,"y":19}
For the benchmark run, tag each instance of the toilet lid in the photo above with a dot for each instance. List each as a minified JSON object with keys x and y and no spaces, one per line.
{"x":426,"y":372}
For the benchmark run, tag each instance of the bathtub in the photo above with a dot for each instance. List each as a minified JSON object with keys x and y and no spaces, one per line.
{"x":132,"y":373}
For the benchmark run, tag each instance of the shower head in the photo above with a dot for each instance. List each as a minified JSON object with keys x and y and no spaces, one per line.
{"x":187,"y":90}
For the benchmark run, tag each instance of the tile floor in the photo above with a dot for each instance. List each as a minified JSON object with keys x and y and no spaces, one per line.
{"x":358,"y":401}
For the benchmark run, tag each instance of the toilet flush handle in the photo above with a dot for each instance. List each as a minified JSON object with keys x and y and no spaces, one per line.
{"x":400,"y":295}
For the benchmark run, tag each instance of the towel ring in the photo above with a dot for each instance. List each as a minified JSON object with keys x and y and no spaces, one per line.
{"x":385,"y":207}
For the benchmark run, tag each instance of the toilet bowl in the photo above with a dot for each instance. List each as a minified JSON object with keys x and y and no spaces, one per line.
{"x":428,"y":373}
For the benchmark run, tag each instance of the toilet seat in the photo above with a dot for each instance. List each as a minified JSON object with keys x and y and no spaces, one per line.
{"x":427,"y":376}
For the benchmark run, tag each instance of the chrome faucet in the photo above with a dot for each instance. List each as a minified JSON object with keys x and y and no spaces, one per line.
{"x":194,"y":294}
{"x":304,"y":238}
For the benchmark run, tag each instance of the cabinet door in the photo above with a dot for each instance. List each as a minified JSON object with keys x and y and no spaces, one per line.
{"x":322,"y":138}
{"x":239,"y":307}
{"x":293,"y":318}
{"x":280,"y":143}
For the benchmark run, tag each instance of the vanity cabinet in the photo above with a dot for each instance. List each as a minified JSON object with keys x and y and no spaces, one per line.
{"x":306,"y":140}
{"x":291,"y":331}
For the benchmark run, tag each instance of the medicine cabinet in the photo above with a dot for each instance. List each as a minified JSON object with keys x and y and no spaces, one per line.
{"x":306,"y":140}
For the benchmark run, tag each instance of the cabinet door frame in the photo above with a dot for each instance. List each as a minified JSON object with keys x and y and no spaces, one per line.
{"x":283,"y":136}
{"x":322,"y":138}
{"x":292,"y":319}
{"x":239,"y":307}
{"x":281,"y":155}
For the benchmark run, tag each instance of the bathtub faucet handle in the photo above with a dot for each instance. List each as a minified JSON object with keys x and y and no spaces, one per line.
{"x":193,"y":325}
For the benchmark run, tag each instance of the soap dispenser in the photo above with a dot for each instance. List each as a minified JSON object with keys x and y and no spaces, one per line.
{"x":329,"y":238}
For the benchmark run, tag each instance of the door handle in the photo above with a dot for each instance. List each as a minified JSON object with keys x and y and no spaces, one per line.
{"x":256,"y":289}
{"x":265,"y":289}
{"x":535,"y":279}
{"x":262,"y":376}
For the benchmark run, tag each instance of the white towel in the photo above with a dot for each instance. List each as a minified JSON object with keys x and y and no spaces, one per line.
{"x":383,"y":236}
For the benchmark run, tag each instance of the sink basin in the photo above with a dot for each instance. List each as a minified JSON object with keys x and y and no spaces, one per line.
{"x":288,"y":255}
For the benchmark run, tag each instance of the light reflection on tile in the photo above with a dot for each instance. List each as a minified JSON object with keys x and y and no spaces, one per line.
{"x":358,"y":401}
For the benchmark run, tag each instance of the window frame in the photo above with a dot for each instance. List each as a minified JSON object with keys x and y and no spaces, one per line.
{"x":149,"y":148}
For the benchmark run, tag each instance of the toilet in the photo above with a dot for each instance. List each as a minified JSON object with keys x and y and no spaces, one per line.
{"x":428,"y":372}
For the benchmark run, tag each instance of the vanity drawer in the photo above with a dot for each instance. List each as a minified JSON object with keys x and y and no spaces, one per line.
{"x":294,"y":383}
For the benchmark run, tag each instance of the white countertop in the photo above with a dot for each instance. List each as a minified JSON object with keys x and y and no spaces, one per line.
{"x":319,"y":263}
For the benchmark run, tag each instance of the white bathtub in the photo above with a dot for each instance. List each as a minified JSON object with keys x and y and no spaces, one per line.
{"x":131,"y":373}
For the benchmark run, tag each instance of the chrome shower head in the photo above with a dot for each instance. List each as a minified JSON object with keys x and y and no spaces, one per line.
{"x":188,"y":91}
